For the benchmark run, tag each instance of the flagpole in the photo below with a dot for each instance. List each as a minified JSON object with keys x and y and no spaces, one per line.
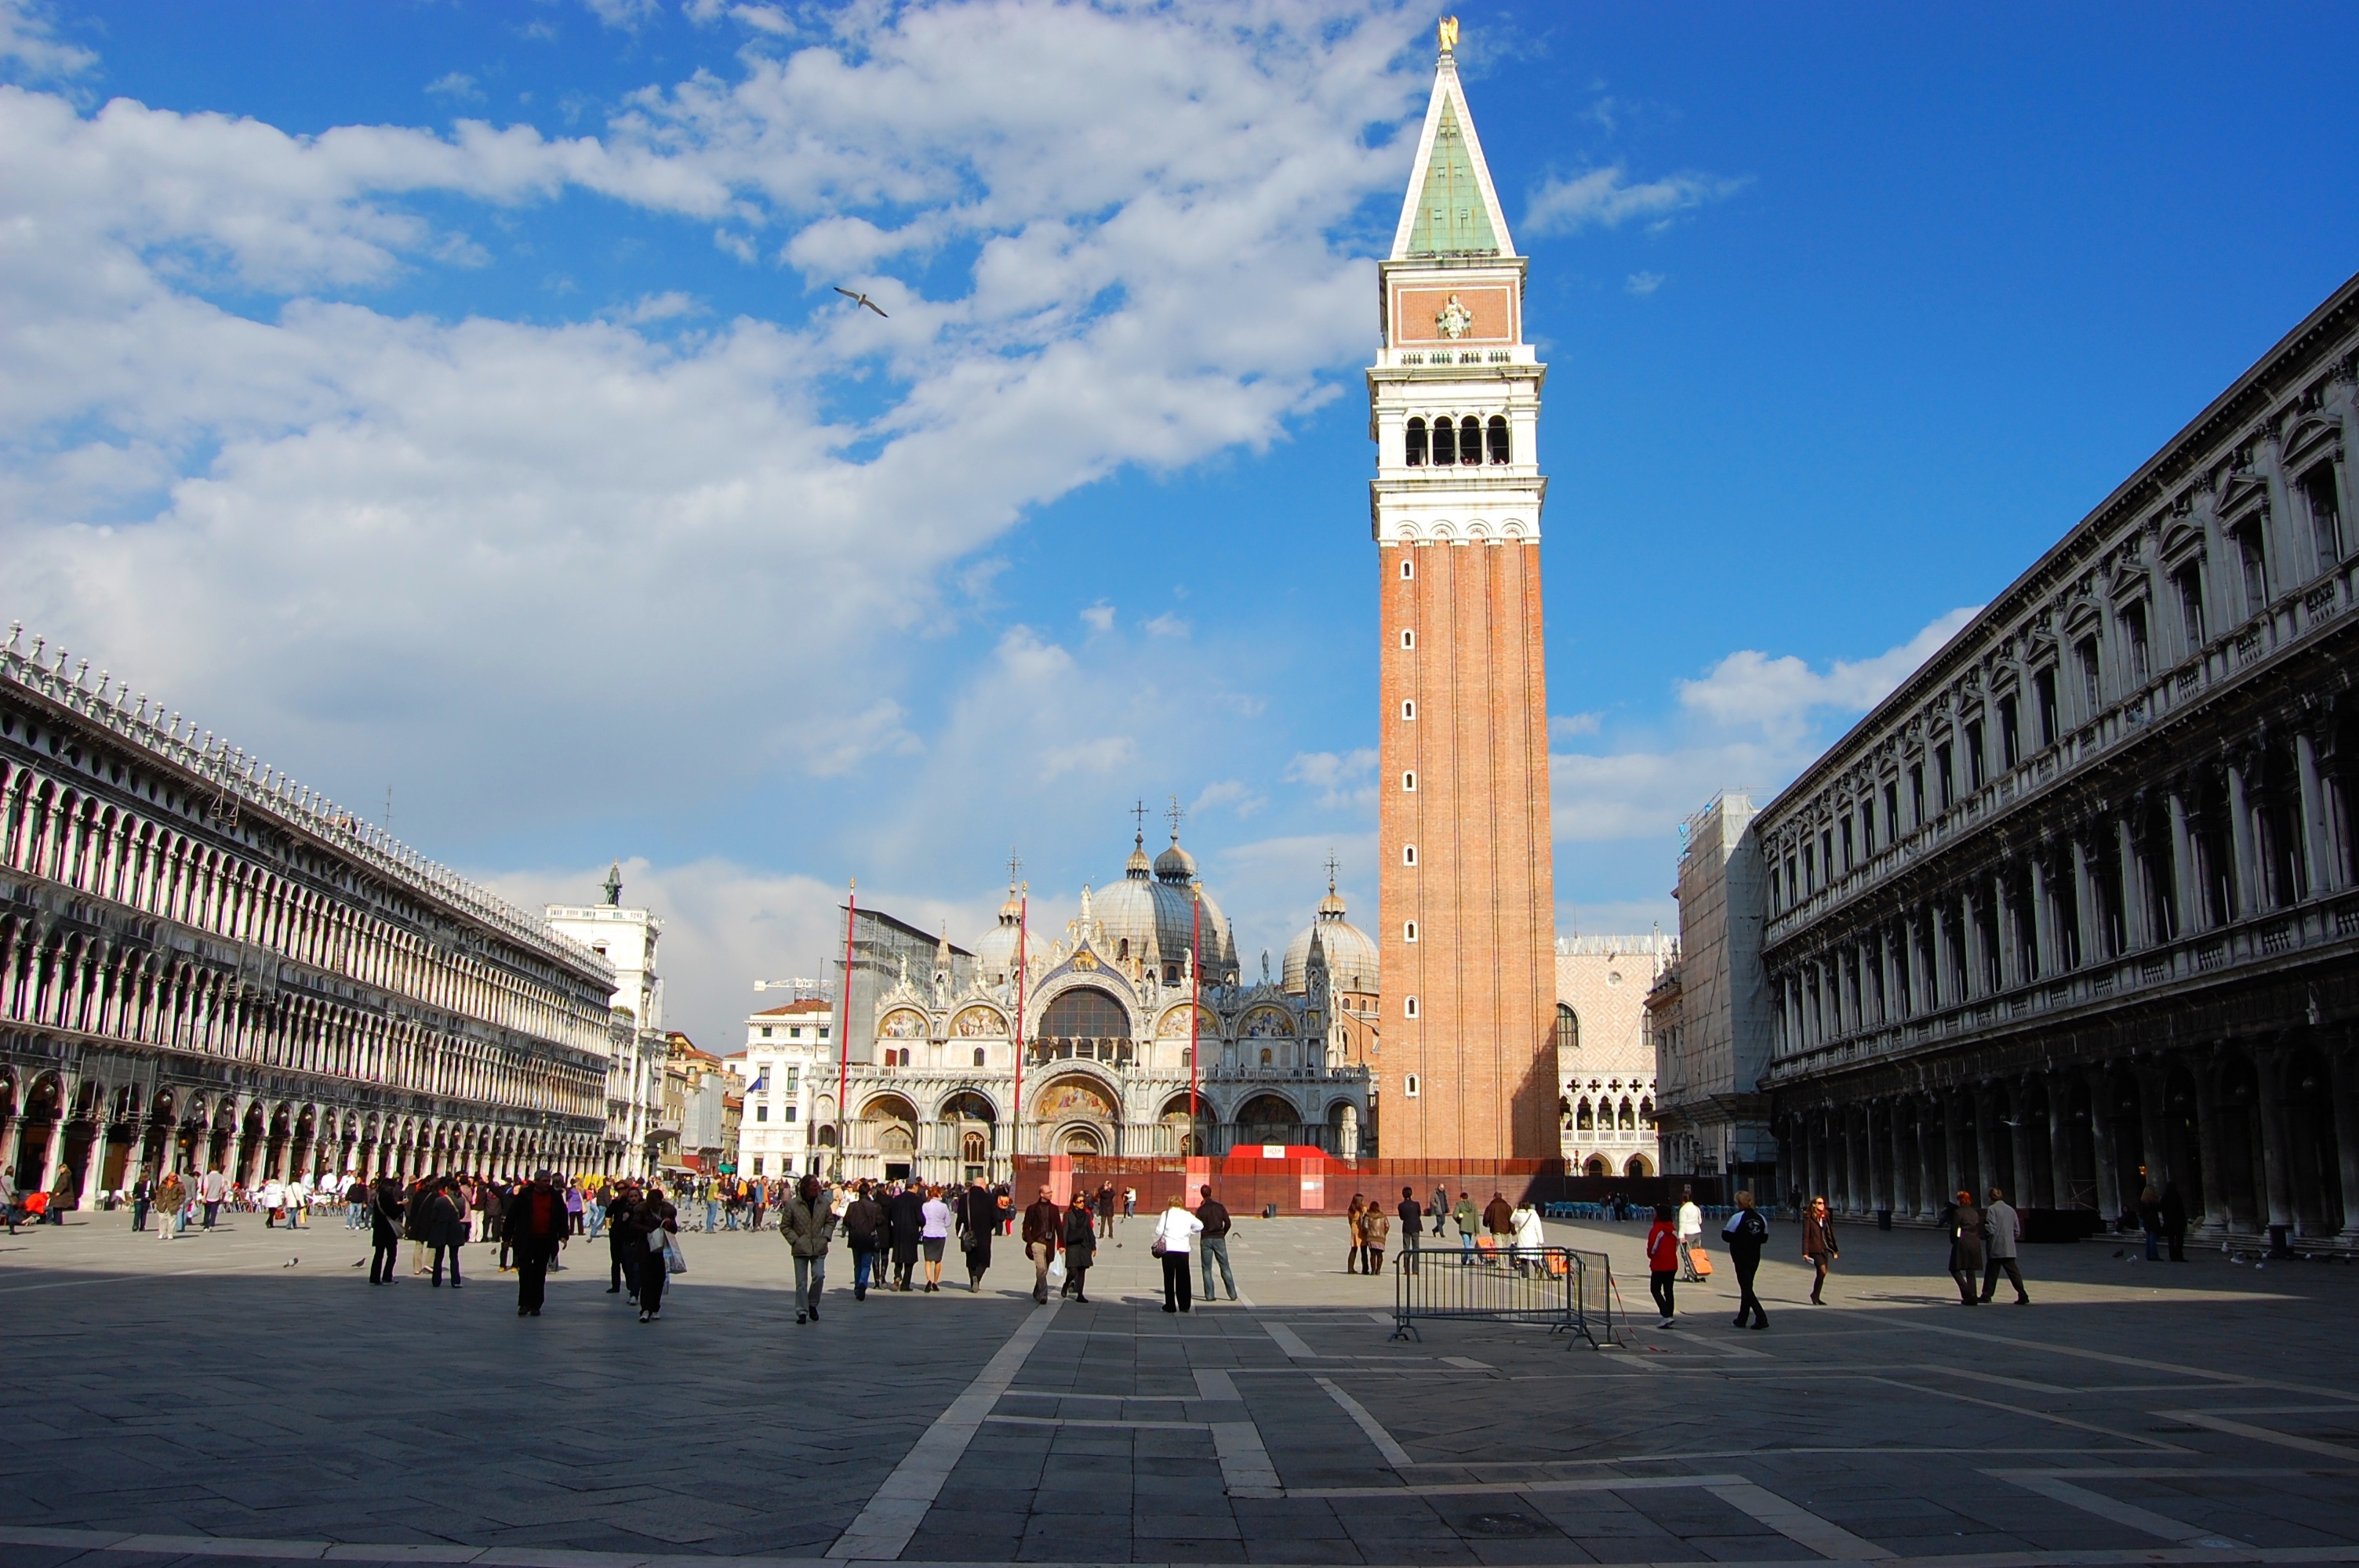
{"x":1195,"y":996}
{"x":1023,"y":937}
{"x":844,"y":1034}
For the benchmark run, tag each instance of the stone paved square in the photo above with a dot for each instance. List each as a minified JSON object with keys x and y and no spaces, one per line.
{"x":244,"y":1396}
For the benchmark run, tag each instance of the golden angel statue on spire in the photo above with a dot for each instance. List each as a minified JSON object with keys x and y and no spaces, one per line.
{"x":1449,"y":32}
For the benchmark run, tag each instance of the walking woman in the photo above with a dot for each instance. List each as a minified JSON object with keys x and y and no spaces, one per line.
{"x":1081,"y":1246}
{"x":1376,"y":1230}
{"x":938,"y":1221}
{"x":1175,"y":1243}
{"x":1357,"y":1253}
{"x":384,"y":1229}
{"x":650,"y":1221}
{"x":1818,"y":1245}
{"x":1966,"y":1227}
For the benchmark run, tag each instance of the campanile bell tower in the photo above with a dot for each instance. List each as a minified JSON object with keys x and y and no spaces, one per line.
{"x":1467,"y":889}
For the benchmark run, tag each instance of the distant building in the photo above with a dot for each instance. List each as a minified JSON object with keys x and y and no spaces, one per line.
{"x":1707,"y":1017}
{"x":626,"y":938}
{"x":1606,"y":1065}
{"x":790,"y":1055}
{"x":690,"y":1131}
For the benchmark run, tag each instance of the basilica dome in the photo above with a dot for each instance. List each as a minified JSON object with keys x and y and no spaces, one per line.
{"x":995,"y":954}
{"x":1149,"y":916}
{"x":1351,"y":957}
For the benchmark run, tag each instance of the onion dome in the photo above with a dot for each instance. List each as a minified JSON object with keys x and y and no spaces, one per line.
{"x":995,"y":954}
{"x":1349,"y":955}
{"x":1150,"y":917}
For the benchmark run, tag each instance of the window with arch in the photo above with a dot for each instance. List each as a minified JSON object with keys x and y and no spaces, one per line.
{"x":1265,"y":1056}
{"x":1470,"y":440}
{"x":1409,"y":568}
{"x":1409,"y":1007}
{"x":1408,"y":710}
{"x":1408,"y":783}
{"x":1408,"y":638}
{"x":1408,"y":854}
{"x":1408,"y":1086}
{"x":975,"y":1148}
{"x":1582,"y":1118}
{"x":1121,"y":950}
{"x":1567,"y":1029}
{"x":1409,"y":930}
{"x":978,"y":1056}
{"x":1413,"y":442}
{"x":1445,"y":443}
{"x":1499,"y":444}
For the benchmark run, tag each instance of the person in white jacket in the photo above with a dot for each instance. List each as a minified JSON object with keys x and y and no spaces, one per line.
{"x":1690,"y":1227}
{"x":1530,"y":1235}
{"x":1174,"y":1240}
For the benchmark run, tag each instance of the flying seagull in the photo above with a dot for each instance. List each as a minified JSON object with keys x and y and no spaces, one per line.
{"x":860,"y":299}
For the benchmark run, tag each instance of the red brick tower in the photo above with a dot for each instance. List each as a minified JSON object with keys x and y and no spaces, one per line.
{"x":1467,"y":896}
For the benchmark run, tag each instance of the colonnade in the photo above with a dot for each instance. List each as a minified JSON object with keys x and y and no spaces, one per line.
{"x":2252,"y":1138}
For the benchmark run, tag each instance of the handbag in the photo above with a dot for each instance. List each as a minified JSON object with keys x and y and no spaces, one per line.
{"x":675,"y":1261}
{"x":1057,"y":1266}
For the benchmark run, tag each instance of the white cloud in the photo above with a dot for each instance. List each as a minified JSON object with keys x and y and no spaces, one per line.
{"x":1642,"y":283}
{"x":1342,"y":778}
{"x":1233,"y":795}
{"x":456,"y":85}
{"x":1605,"y":199}
{"x":395,"y":537}
{"x":1168,"y":624}
{"x":28,"y":38}
{"x":1564,"y":726}
{"x":1099,"y":617}
{"x":1779,"y":695}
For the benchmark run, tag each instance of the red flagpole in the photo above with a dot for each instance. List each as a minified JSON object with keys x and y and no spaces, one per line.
{"x":1023,"y":937}
{"x":1195,"y":996}
{"x":844,"y":1034}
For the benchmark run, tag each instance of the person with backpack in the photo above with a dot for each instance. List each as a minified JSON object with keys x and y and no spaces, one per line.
{"x":807,"y":1222}
{"x":1663,"y":1262}
{"x":532,"y":1230}
{"x":863,"y":1228}
{"x":1746,"y":1234}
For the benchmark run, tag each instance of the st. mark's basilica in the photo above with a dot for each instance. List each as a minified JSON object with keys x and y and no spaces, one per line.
{"x":1110,"y":1056}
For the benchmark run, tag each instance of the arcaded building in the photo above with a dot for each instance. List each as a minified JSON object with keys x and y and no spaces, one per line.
{"x":205,"y":965}
{"x":2074,"y":911}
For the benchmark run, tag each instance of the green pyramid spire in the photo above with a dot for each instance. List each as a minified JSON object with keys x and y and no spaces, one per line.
{"x":1453,"y":219}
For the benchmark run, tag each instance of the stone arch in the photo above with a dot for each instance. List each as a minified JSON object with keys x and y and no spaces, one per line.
{"x":1270,"y":1118}
{"x":1637,"y":1165}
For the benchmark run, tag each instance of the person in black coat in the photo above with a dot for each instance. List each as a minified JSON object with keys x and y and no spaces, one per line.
{"x":626,"y":1273}
{"x":907,"y":1210}
{"x":1746,"y":1233}
{"x":443,"y":1227}
{"x":534,"y":1228}
{"x":651,"y":1219}
{"x":1081,"y":1246}
{"x":978,"y":1218}
{"x":865,"y":1231}
{"x":384,"y":1229}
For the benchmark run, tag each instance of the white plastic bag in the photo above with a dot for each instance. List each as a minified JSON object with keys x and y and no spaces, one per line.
{"x":1057,"y":1268}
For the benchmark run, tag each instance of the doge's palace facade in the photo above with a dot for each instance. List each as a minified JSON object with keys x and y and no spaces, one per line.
{"x":203,"y":964}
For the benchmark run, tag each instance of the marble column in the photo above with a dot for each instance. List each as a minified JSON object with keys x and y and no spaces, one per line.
{"x":1855,"y":1183}
{"x":1957,"y":1109}
{"x":2186,"y":894}
{"x":1901,"y":1202}
{"x":2276,"y":1136}
{"x":2152,"y":1086}
{"x":2084,"y":905}
{"x":2101,"y":1108}
{"x":2239,"y":842}
{"x":2317,"y":822}
{"x":2009,"y":943}
{"x":2209,"y":1110}
{"x":2135,"y":933}
{"x":2043,"y":948}
{"x":2025,"y":1191}
{"x":1929,"y":1159}
{"x":2343,"y":1064}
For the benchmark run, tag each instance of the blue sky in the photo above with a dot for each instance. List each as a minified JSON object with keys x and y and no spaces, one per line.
{"x":450,"y":398}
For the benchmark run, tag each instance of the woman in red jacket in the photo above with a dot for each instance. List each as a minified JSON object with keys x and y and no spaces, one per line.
{"x":1662,"y":1260}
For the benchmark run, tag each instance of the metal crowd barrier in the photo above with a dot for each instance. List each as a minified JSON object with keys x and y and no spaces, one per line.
{"x":1566,"y":1290}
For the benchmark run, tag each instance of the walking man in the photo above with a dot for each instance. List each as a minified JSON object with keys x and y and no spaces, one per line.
{"x":1689,"y":1225}
{"x":1746,"y":1233}
{"x":1044,"y":1223}
{"x":1465,"y":1217}
{"x":2005,"y":1232}
{"x":1412,"y":1220}
{"x":143,"y":1197}
{"x":534,"y":1228}
{"x":1080,"y":1247}
{"x":807,"y":1222}
{"x":213,"y":1191}
{"x":1967,"y":1234}
{"x":1214,"y":1217}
